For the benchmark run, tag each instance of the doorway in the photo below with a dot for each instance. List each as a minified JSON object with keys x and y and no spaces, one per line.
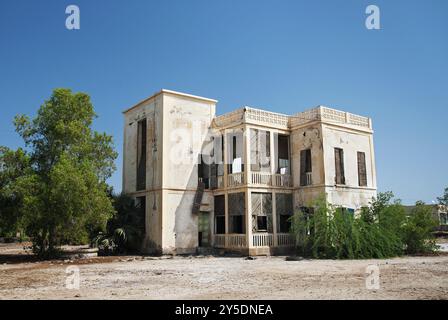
{"x":203,"y":229}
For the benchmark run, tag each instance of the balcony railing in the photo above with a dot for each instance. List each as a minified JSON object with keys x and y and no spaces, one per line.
{"x":220,"y":241}
{"x":282,"y":180}
{"x":220,"y":182}
{"x":285,"y":240}
{"x":261,"y":178}
{"x":230,"y":241}
{"x":235,"y":179}
{"x":263,"y":239}
{"x":268,"y":179}
{"x":258,"y":240}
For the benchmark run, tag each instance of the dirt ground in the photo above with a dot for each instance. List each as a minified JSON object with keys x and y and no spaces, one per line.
{"x":207,"y":277}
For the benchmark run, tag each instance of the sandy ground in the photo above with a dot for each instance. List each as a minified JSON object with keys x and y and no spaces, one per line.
{"x":221,"y":278}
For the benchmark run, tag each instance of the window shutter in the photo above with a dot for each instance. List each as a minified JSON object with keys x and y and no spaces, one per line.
{"x":303,"y":167}
{"x":341,"y":158}
{"x":308,"y":161}
{"x":362,"y":172}
{"x":339,"y":165}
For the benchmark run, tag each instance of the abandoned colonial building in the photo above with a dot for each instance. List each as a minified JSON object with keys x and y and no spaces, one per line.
{"x":232,"y":181}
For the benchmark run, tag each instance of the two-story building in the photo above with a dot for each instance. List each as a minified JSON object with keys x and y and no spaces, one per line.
{"x":233,"y":181}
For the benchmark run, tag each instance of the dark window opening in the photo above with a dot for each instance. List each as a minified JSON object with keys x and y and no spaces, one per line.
{"x":339,"y":166}
{"x":262,"y":212}
{"x":220,"y":225}
{"x":236,"y":205}
{"x":283,"y":155}
{"x":260,"y":150}
{"x":237,"y":224}
{"x":262,"y":223}
{"x":219,"y":209}
{"x":284,"y":209}
{"x":204,"y":171}
{"x":141,"y":155}
{"x":362,"y":172}
{"x":235,"y":152}
{"x":305,"y":167}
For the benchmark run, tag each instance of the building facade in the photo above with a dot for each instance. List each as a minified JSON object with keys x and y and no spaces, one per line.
{"x":233,"y":181}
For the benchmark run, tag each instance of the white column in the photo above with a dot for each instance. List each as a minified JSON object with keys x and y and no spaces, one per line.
{"x":274,"y":219}
{"x":224,"y":141}
{"x":247,"y":180}
{"x":249,"y":240}
{"x":246,"y":147}
{"x":272,"y":149}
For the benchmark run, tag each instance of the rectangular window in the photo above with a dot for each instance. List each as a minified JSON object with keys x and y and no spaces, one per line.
{"x":217,"y":165}
{"x":235,"y":153}
{"x":141,"y":155}
{"x":284,"y":210}
{"x":305,"y":167}
{"x":261,"y":212}
{"x":339,"y":166}
{"x":362,"y":172}
{"x":219,"y":209}
{"x":236,"y":205}
{"x":260,"y":150}
{"x":204,"y":170}
{"x":283,"y":154}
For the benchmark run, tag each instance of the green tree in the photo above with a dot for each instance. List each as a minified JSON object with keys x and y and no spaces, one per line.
{"x":443,"y":200}
{"x":64,"y":190}
{"x":418,"y":229}
{"x":13,"y":164}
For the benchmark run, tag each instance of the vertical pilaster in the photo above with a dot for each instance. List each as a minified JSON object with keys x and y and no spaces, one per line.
{"x":226,"y":218}
{"x":249,"y":240}
{"x":274,"y":218}
{"x":226,"y":156}
{"x":272,"y":150}
{"x":246,"y":146}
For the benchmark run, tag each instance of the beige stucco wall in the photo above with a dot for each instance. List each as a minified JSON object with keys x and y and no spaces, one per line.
{"x":170,"y":186}
{"x":186,"y":121}
{"x":351,"y":195}
{"x":152,"y":111}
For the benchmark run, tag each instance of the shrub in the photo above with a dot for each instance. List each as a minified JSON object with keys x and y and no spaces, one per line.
{"x":125,"y":230}
{"x":381,"y":230}
{"x":418,"y":230}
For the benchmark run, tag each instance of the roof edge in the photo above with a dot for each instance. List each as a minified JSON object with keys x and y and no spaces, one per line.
{"x":172,"y":92}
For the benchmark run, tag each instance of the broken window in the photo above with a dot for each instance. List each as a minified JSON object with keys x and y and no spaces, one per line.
{"x":284,"y":210}
{"x":339,"y":165}
{"x":236,"y":205}
{"x":217,"y":165}
{"x":305,"y":167}
{"x":141,"y":155}
{"x":235,"y":153}
{"x":261,"y":212}
{"x":362,"y":172}
{"x":219,"y":209}
{"x":282,"y":154}
{"x":260,"y":150}
{"x":204,"y":170}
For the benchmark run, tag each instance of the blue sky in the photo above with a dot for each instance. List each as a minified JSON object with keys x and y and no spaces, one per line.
{"x":284,"y":56}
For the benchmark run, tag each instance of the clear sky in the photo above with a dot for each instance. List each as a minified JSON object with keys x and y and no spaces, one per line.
{"x":284,"y":56}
